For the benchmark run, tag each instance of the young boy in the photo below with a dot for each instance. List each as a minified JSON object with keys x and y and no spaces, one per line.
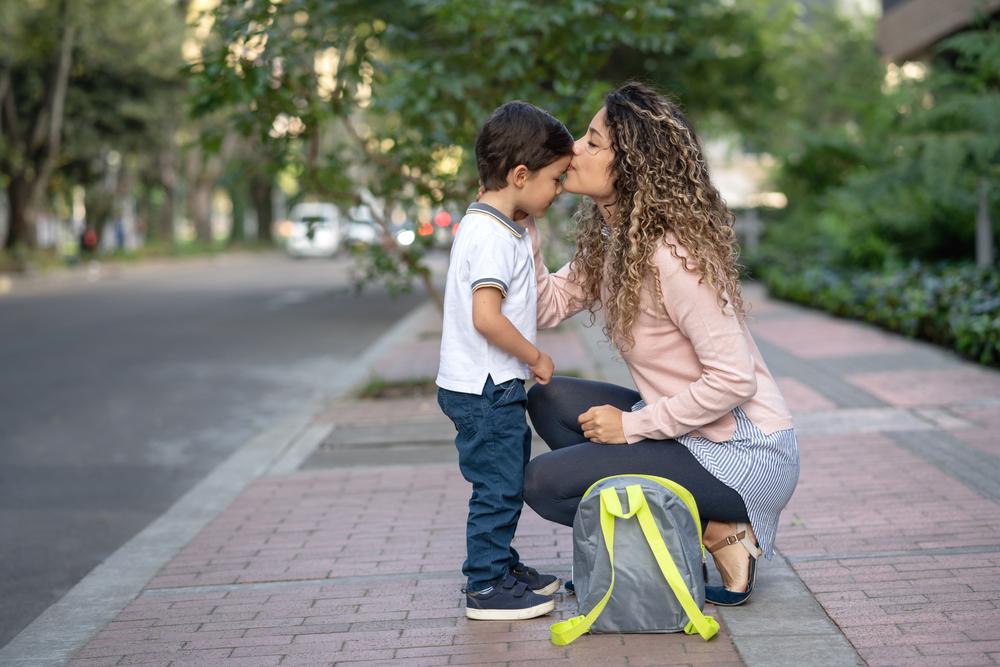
{"x":488,"y":351}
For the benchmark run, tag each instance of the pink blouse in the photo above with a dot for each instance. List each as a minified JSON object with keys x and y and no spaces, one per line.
{"x":692,"y":365}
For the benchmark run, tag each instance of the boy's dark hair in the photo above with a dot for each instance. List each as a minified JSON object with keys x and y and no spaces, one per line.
{"x":519,"y":133}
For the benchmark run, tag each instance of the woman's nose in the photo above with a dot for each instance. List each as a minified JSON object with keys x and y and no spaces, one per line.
{"x":578,"y":146}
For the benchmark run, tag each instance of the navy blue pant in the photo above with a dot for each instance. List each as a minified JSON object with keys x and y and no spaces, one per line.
{"x":494,"y":445}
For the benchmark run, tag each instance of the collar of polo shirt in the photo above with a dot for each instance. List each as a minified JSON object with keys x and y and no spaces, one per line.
{"x":514,"y":228}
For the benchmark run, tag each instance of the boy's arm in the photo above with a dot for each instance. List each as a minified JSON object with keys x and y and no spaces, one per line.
{"x":499,"y":331}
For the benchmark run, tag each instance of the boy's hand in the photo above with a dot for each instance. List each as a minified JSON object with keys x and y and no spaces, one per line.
{"x":542,"y":368}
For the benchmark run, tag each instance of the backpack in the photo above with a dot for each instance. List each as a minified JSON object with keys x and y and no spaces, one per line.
{"x":656,"y":549}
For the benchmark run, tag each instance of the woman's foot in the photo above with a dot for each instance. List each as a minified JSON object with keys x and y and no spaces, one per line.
{"x":735,"y":551}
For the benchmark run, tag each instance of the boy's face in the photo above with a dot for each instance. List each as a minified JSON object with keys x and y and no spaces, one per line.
{"x":541,"y":187}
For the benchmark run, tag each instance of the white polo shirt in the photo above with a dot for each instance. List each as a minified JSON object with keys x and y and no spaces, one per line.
{"x":490,"y":250}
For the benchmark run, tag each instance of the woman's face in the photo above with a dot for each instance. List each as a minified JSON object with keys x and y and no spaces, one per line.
{"x":589,"y":171}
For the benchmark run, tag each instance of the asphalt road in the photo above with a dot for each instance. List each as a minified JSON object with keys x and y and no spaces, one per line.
{"x":119,"y":394}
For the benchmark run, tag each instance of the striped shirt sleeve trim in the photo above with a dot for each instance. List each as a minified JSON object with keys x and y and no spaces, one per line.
{"x":491,"y":282}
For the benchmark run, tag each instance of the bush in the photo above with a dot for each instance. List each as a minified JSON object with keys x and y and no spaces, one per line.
{"x":955,"y":305}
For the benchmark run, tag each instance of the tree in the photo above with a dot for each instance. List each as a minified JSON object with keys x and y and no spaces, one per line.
{"x":386,"y":97}
{"x":32,"y":104}
{"x":79,"y":79}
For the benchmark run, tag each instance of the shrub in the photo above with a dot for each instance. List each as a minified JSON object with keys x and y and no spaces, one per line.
{"x":955,"y":305}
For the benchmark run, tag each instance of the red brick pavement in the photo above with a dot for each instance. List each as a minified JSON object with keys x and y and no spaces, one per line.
{"x":361,"y":566}
{"x":354,"y":567}
{"x":877,"y":533}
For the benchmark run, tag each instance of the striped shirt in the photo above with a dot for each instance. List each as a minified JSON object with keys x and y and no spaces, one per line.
{"x":762,"y":468}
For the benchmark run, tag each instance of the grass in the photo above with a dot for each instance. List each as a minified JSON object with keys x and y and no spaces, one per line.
{"x":379,"y":388}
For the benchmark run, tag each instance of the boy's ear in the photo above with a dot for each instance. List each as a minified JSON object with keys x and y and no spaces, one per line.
{"x":518,"y":176}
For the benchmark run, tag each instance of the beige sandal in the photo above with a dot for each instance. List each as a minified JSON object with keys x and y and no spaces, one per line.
{"x":720,"y":595}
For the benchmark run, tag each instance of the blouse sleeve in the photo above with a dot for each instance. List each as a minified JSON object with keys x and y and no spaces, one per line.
{"x":559,"y":297}
{"x":728,"y":376}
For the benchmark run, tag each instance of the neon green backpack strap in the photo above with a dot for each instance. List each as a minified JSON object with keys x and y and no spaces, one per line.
{"x":706,"y":626}
{"x":565,"y":632}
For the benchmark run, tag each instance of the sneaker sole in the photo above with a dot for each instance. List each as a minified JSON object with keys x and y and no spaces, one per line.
{"x":550,"y":589}
{"x":510,"y":614}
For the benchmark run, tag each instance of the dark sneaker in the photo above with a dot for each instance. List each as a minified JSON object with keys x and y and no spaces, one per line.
{"x":507,"y":600}
{"x":570,"y":588}
{"x":543,"y":584}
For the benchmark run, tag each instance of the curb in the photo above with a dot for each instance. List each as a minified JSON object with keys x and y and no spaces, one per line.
{"x":66,"y":626}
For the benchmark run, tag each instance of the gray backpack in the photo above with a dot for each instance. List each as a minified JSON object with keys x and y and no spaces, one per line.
{"x":654,"y":546}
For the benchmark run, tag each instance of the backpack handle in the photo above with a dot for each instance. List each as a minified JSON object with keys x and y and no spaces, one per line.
{"x":567,"y":631}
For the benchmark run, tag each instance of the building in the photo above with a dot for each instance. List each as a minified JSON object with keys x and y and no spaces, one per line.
{"x":909,"y":29}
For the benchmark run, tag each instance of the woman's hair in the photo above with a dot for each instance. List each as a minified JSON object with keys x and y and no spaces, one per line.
{"x":661,"y":180}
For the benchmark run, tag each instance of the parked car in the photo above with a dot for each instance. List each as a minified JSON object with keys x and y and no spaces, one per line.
{"x":361,"y":227}
{"x":315,"y":230}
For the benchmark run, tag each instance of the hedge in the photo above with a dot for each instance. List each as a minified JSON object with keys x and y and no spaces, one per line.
{"x":954,"y":305}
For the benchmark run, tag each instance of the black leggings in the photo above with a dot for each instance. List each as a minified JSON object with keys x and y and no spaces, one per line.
{"x":555,"y":482}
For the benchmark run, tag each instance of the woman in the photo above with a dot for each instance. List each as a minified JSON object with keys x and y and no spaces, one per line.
{"x":657,"y":253}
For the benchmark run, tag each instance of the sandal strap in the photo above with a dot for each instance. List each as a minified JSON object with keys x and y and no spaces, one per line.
{"x":738,"y":537}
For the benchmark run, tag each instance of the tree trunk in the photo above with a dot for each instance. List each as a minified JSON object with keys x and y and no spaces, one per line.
{"x":261,"y":188}
{"x":39,"y":146}
{"x":18,"y":217}
{"x":984,"y":226}
{"x":167,"y":164}
{"x":237,"y":194}
{"x":144,"y":213}
{"x":201,"y":210}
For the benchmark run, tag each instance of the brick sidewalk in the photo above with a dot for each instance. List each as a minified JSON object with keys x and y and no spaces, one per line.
{"x":354,"y":567}
{"x":897,"y":533}
{"x":895,"y":528}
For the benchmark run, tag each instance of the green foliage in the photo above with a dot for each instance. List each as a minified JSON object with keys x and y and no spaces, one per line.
{"x":883,"y":176}
{"x":408,"y":83}
{"x":126,"y":67}
{"x":955,"y":305}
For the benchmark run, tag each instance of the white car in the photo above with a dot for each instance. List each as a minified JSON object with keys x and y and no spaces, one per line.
{"x":361,"y":227}
{"x":315,"y":230}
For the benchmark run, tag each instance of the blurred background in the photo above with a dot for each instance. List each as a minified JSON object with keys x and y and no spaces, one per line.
{"x":193,"y":192}
{"x":857,"y":141}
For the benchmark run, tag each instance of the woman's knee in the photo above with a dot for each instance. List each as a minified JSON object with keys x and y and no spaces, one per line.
{"x":540,"y":491}
{"x":544,"y":396}
{"x":534,"y":484}
{"x":544,"y":491}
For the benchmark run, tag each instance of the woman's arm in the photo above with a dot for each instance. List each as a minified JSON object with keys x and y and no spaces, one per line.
{"x":728,"y":376}
{"x":558,"y":296}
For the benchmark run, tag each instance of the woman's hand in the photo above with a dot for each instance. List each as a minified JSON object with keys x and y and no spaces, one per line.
{"x":603,"y":424}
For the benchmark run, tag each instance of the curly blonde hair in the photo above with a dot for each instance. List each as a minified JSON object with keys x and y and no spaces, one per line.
{"x":663,"y":187}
